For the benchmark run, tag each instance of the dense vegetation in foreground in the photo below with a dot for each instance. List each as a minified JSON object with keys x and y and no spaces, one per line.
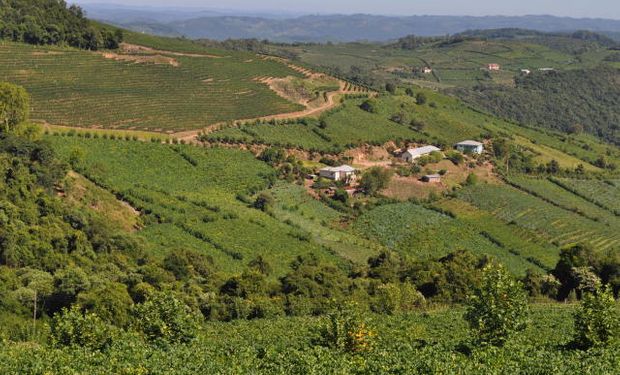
{"x":437,"y":341}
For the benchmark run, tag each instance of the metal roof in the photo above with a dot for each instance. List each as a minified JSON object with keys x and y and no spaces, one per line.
{"x":470,"y":143}
{"x":422,"y":150}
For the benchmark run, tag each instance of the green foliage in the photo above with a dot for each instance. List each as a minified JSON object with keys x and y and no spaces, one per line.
{"x":344,"y":329}
{"x":472,"y":179}
{"x":393,"y":298}
{"x":370,"y":106}
{"x":263,"y":202}
{"x":14,"y":106}
{"x":375,"y":179}
{"x":554,"y":100}
{"x":75,"y":328}
{"x":420,"y":98}
{"x":51,"y":22}
{"x":163,"y":319}
{"x":498,"y":309}
{"x":597,"y":322}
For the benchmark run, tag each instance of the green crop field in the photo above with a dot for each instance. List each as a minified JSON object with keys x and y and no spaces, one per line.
{"x":416,"y":231}
{"x":188,"y":195}
{"x":80,"y":88}
{"x":560,"y":226}
{"x":604,"y":193}
{"x":457,"y":64}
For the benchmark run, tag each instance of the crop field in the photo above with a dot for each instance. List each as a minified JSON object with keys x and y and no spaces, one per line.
{"x":563,"y":198}
{"x":558,"y":225}
{"x":323,"y":223}
{"x":188,"y":195}
{"x":416,"y":343}
{"x":457,"y":64}
{"x":413,"y":230}
{"x":79,"y":88}
{"x":517,"y":240}
{"x":604,"y":193}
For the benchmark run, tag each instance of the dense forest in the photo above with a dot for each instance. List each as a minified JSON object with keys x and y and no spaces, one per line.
{"x":52,"y":22}
{"x":572,"y":101}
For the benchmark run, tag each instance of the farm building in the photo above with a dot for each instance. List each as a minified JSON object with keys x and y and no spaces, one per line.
{"x":526,"y":72}
{"x":431,"y":178}
{"x":342,"y":173}
{"x":493,"y":67}
{"x":415,"y":153}
{"x":470,"y":147}
{"x":427,"y":70}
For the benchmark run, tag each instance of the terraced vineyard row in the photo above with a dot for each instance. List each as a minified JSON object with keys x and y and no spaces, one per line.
{"x":189,"y":197}
{"x":558,"y":225}
{"x":605,"y":193}
{"x":416,"y":231}
{"x":78,"y":88}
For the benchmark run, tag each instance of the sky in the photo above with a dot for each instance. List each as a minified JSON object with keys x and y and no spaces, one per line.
{"x":568,"y":8}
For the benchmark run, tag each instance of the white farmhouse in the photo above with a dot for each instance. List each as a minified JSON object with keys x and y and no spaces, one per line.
{"x":470,"y":147}
{"x":415,"y":153}
{"x":342,"y":173}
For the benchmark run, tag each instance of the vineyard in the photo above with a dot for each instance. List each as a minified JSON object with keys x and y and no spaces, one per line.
{"x":418,"y":343}
{"x":133,"y":91}
{"x":189,"y":196}
{"x":559,"y":225}
{"x":604,"y":193}
{"x":416,"y":231}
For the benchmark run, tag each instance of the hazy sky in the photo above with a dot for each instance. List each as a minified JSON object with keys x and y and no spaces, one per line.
{"x":570,"y":8}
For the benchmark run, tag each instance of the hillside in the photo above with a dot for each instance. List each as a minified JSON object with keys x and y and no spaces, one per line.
{"x":167,"y":207}
{"x":219,"y":24}
{"x":571,"y":101}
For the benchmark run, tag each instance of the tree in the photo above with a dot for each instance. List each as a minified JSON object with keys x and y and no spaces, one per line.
{"x":420,"y":98}
{"x":471,"y":180}
{"x":409,"y":91}
{"x":263,"y":202}
{"x":14,"y":106}
{"x":345,"y":329}
{"x":370,"y":106}
{"x":390,"y":87}
{"x":375,"y":179}
{"x":498,"y":308}
{"x":78,"y":329}
{"x":164,"y":319}
{"x":596,"y":319}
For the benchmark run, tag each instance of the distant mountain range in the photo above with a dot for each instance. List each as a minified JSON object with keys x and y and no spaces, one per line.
{"x":221,"y":25}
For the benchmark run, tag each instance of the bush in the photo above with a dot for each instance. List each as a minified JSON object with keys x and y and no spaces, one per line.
{"x":498,"y":308}
{"x":375,"y":179}
{"x":370,"y":106}
{"x":596,"y":320}
{"x":420,"y":98}
{"x":392,"y":298}
{"x":344,"y":329}
{"x":78,"y":329}
{"x":165,"y":319}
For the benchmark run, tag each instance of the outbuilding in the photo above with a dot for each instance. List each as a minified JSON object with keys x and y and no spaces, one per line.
{"x":432,"y":178}
{"x":414,"y":153}
{"x":470,"y":147}
{"x":341,"y":173}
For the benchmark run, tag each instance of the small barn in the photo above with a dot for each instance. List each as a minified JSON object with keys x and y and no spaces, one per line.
{"x":427,"y":70}
{"x":414,"y":153}
{"x":341,"y":173}
{"x":435,"y":178}
{"x":470,"y":147}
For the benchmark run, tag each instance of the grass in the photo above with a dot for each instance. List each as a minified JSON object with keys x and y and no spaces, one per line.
{"x":80,"y":88}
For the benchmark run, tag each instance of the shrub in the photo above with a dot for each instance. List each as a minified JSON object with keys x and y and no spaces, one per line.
{"x":78,"y":329}
{"x":498,"y":308}
{"x":370,"y":106}
{"x":420,"y":98}
{"x":596,"y":319}
{"x":375,"y":179}
{"x":344,"y":329}
{"x":392,"y":298}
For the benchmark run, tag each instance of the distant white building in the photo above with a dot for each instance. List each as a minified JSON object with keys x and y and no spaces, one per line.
{"x":526,"y":72}
{"x":342,"y":173}
{"x":427,"y":70}
{"x":471,"y":147}
{"x":434,"y":178}
{"x":415,"y":153}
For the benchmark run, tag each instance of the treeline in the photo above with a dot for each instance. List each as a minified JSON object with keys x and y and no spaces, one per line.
{"x":571,"y":101}
{"x":46,"y":22}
